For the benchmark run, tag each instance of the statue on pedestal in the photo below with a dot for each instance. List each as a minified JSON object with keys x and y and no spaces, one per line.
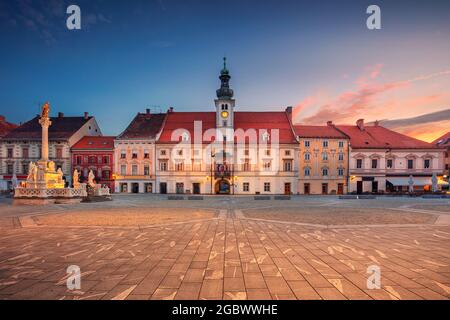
{"x":91,"y":178}
{"x":75,"y":178}
{"x":60,"y":175}
{"x":32,"y":172}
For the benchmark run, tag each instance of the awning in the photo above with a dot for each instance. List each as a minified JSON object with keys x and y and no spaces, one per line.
{"x":404,"y":181}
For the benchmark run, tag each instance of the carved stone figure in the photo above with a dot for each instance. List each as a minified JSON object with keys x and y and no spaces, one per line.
{"x":45,"y":110}
{"x":60,"y":175}
{"x":434,"y":183}
{"x":75,"y":178}
{"x":91,"y":178}
{"x":31,"y":172}
{"x":51,"y":166}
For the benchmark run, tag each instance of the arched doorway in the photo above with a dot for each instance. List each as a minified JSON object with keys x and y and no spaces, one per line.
{"x":222,"y":187}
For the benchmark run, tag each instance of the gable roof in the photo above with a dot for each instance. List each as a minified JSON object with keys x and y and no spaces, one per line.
{"x":378,"y":137}
{"x":6,"y":126}
{"x":95,"y":142}
{"x":144,"y":126}
{"x":242,"y":120}
{"x":443,"y":141}
{"x":62,"y":128}
{"x":328,"y":131}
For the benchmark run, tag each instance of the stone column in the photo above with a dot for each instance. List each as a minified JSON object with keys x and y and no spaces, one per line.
{"x":45,"y":123}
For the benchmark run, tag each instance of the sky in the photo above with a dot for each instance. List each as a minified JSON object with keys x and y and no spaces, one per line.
{"x":317,"y":56}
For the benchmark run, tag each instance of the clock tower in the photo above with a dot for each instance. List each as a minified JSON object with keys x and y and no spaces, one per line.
{"x":224,"y":102}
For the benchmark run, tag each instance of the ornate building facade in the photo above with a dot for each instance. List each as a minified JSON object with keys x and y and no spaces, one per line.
{"x":96,"y":154}
{"x":22,"y":145}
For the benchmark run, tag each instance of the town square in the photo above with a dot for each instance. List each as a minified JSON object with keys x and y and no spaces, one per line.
{"x":254,"y":152}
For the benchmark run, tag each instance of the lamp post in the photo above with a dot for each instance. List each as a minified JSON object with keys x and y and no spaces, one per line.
{"x":211,"y":167}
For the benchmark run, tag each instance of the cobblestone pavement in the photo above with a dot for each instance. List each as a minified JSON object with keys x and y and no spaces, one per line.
{"x":228,"y":256}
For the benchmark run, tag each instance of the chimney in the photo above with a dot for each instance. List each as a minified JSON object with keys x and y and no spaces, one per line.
{"x":360,"y":124}
{"x":329,"y":123}
{"x":170,"y":109}
{"x":86,"y":115}
{"x":376,"y":123}
{"x":60,"y":115}
{"x":147,"y":111}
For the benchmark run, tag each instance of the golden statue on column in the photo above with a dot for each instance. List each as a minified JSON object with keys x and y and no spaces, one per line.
{"x":45,"y":181}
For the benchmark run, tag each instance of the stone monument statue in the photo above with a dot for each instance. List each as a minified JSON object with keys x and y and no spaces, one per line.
{"x":411,"y":184}
{"x":434,"y":183}
{"x":75,"y":178}
{"x":91,"y":178}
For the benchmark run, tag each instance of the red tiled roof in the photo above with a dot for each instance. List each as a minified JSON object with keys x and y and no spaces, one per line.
{"x":6,"y":126}
{"x":378,"y":137}
{"x":443,"y":141}
{"x":318,"y":132}
{"x":144,"y":126}
{"x":62,"y":128}
{"x":95,"y":142}
{"x":242,"y":120}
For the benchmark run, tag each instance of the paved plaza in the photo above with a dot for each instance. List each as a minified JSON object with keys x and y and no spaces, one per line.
{"x":148,"y":247}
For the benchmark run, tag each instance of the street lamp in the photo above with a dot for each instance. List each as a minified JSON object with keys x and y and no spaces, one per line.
{"x":211,"y":166}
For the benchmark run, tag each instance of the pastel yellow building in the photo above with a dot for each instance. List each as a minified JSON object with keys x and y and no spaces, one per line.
{"x":323,"y":159}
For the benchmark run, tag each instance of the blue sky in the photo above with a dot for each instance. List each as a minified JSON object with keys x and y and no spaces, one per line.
{"x":130,"y":55}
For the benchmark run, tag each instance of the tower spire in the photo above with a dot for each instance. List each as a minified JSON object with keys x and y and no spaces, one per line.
{"x":224,"y":92}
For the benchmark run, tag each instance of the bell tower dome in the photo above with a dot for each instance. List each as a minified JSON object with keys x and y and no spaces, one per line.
{"x":224,"y":102}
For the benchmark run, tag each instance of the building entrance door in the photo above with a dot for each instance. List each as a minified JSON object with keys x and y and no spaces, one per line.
{"x":359,"y":187}
{"x":307,"y":189}
{"x":340,"y":189}
{"x":324,"y":188}
{"x":374,"y":186}
{"x":135,"y":187}
{"x":222,"y":187}
{"x":196,"y":188}
{"x":287,"y":188}
{"x":163,"y":187}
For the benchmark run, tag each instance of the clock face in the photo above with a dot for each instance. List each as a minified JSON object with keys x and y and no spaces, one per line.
{"x":224,"y":114}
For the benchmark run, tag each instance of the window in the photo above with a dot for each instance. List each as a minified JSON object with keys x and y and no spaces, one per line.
{"x":92,"y":160}
{"x":389,"y":163}
{"x":10,"y":168}
{"x":59,"y":153}
{"x":358,"y":163}
{"x":106,"y":174}
{"x":180,"y":152}
{"x":179,"y":187}
{"x":324,"y":156}
{"x":123,"y":154}
{"x":25,"y":167}
{"x":10,"y":152}
{"x":246,"y":152}
{"x":410,"y":164}
{"x":134,"y":170}
{"x":341,"y":144}
{"x":163,"y":152}
{"x":307,"y":144}
{"x":340,"y":156}
{"x":340,"y":172}
{"x":105,"y":159}
{"x":267,"y":152}
{"x":267,"y":165}
{"x":307,"y":172}
{"x":246,"y":166}
{"x":224,"y":124}
{"x":79,"y":160}
{"x":163,"y":165}
{"x":374,"y":163}
{"x":426,"y":163}
{"x":325,"y":143}
{"x":246,"y":187}
{"x":325,"y":172}
{"x":146,"y":170}
{"x":179,"y":166}
{"x":123,"y":170}
{"x":287,"y":165}
{"x":134,"y":155}
{"x":25,"y":153}
{"x":266,"y":186}
{"x":287,"y":152}
{"x":307,"y":156}
{"x":146,"y":154}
